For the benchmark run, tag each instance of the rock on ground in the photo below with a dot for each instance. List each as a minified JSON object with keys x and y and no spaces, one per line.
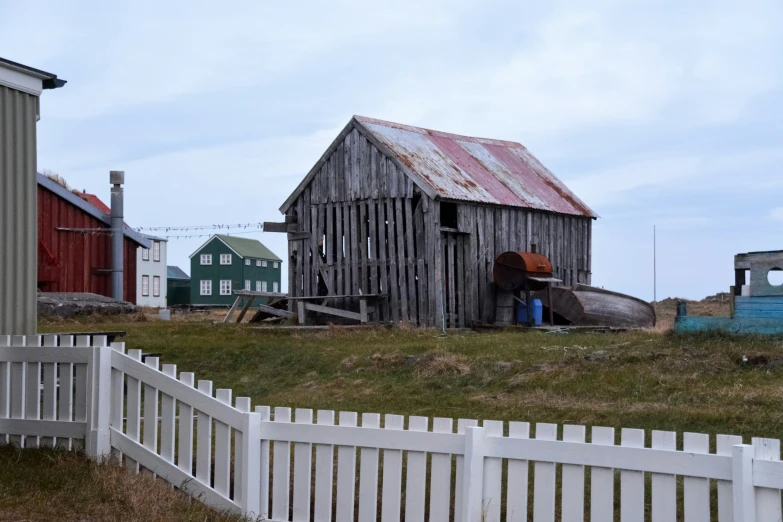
{"x":68,"y":304}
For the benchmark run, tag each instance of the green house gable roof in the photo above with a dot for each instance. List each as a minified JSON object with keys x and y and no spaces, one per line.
{"x":244,"y":247}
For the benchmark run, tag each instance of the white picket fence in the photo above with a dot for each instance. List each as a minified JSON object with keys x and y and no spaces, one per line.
{"x":80,"y":393}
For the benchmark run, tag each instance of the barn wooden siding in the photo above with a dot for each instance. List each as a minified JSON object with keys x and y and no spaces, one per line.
{"x":78,"y":256}
{"x":362,"y":226}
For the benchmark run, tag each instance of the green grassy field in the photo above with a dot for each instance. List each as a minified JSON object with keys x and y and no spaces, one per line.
{"x":638,"y":380}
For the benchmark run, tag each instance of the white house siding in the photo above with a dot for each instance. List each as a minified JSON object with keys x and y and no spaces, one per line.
{"x":151,"y":269}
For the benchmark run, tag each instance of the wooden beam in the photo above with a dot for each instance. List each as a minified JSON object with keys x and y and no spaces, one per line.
{"x":330,"y":311}
{"x":298,"y":236}
{"x":275,"y":311}
{"x":245,"y":308}
{"x":232,"y":309}
{"x":270,"y":226}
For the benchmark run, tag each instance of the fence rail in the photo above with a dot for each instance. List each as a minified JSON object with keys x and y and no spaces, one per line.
{"x":303,"y":466}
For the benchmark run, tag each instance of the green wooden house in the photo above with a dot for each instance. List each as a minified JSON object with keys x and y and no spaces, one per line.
{"x":227,"y":263}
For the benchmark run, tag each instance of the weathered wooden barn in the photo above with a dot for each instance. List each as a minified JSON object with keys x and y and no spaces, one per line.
{"x":420,"y":216}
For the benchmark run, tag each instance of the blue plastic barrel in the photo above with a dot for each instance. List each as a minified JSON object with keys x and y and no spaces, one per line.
{"x":538,"y":312}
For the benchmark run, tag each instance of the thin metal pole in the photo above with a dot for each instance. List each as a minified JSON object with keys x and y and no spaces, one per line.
{"x":655,"y":268}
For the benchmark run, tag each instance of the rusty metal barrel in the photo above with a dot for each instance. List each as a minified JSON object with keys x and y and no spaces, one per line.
{"x":513,"y":271}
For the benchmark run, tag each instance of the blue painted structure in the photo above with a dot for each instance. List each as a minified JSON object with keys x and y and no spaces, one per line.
{"x":752,"y":315}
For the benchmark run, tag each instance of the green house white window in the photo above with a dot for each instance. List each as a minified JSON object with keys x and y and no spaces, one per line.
{"x":247,"y":284}
{"x":263,"y":263}
{"x":275,"y":264}
{"x":263,"y":286}
{"x":206,"y":259}
{"x":206,"y":287}
{"x":225,"y":259}
{"x":225,"y":286}
{"x":275,"y":287}
{"x":247,"y":262}
{"x":258,"y":286}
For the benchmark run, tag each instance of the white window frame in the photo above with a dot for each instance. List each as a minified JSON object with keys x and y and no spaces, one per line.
{"x":247,"y":285}
{"x":225,"y":259}
{"x":225,"y":287}
{"x":275,"y":287}
{"x":263,"y":286}
{"x":258,"y":262}
{"x":248,"y":261}
{"x":275,"y":264}
{"x":145,"y":254}
{"x":206,"y":287}
{"x":258,"y":286}
{"x":155,"y":286}
{"x":263,"y":263}
{"x":145,"y":285}
{"x":206,"y":259}
{"x":156,"y":251}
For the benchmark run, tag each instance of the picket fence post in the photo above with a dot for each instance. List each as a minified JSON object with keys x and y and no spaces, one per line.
{"x":97,"y":441}
{"x":473,"y":475}
{"x":251,"y":465}
{"x":742,"y":483}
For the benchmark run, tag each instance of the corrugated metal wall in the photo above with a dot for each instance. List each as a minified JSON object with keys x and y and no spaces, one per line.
{"x":18,"y":212}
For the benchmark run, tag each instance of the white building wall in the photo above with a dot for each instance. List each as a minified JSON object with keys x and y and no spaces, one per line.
{"x":151,"y":269}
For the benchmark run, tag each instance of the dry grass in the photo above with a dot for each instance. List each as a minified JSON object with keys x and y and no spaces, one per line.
{"x":57,"y":485}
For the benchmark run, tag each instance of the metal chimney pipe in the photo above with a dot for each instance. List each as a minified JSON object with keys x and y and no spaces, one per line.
{"x":117,"y":178}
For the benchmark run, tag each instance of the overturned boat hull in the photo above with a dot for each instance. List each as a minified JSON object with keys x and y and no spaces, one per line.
{"x":584,"y":305}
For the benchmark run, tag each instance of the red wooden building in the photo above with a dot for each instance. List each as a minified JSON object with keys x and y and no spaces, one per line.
{"x":74,"y":244}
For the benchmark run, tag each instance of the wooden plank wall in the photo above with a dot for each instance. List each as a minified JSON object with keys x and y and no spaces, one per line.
{"x":484,"y":233}
{"x":363,"y":227}
{"x":359,"y":229}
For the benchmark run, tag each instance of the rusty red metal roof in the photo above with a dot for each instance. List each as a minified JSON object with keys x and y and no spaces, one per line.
{"x":476,"y":169}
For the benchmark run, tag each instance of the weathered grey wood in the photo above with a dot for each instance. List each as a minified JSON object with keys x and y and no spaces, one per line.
{"x":372,"y":210}
{"x":421,"y":261}
{"x":471,"y":266}
{"x":383,"y":281}
{"x":297,"y":236}
{"x":306,"y":244}
{"x":393,"y":183}
{"x":589,"y":306}
{"x":314,"y":255}
{"x":394,"y":284}
{"x":410,"y":259}
{"x":589,"y":251}
{"x":330,"y":248}
{"x":247,"y":306}
{"x":481,"y":264}
{"x":450,"y":263}
{"x":489,"y":294}
{"x":374,"y":190}
{"x":438,"y":296}
{"x":349,"y":247}
{"x":460,"y":281}
{"x":338,"y":254}
{"x":355,"y":282}
{"x":402,"y":266}
{"x":270,"y":226}
{"x":330,"y":311}
{"x":302,"y":312}
{"x":363,"y":254}
{"x":262,"y":308}
{"x":227,"y":318}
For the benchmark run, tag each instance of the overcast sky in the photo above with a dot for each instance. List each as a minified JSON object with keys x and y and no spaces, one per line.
{"x":660,"y":112}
